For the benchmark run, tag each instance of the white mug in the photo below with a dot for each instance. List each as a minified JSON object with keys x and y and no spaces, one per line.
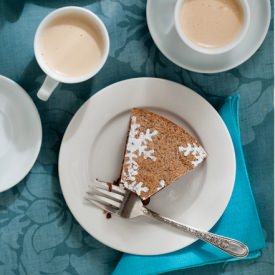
{"x":204,"y":50}
{"x":52,"y":77}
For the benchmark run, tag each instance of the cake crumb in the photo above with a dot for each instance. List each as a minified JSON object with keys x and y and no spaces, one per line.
{"x":107,"y":214}
{"x":146,"y":202}
{"x":116,"y":182}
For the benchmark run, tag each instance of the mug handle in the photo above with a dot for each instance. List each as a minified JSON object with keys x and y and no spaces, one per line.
{"x":47,"y":88}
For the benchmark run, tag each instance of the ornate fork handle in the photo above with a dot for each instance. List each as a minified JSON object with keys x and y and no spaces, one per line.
{"x":230,"y":246}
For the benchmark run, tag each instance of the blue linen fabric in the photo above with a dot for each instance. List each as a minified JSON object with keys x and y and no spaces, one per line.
{"x":38,"y":234}
{"x":240,"y":219}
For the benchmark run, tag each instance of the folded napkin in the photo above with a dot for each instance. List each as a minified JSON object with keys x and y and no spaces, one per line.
{"x":240,"y":219}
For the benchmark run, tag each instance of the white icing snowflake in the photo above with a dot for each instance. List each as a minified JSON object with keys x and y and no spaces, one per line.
{"x":136,"y":187}
{"x":162,"y":184}
{"x":197,"y":151}
{"x":137,"y":147}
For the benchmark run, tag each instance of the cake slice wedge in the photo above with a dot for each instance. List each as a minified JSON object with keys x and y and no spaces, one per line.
{"x":157,"y":153}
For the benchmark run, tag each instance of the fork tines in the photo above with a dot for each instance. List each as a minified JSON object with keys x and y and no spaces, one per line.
{"x":104,"y":196}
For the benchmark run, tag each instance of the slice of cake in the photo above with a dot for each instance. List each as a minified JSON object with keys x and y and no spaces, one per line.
{"x":157,"y":153}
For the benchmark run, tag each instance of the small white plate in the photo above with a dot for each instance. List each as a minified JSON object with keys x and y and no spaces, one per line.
{"x":20,"y":133}
{"x":93,"y":147}
{"x":161,"y":26}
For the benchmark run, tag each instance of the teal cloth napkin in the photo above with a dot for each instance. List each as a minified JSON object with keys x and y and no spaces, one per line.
{"x":240,"y":219}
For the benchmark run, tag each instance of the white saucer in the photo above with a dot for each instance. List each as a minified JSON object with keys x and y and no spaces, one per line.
{"x":20,"y":133}
{"x":163,"y":32}
{"x":93,"y":147}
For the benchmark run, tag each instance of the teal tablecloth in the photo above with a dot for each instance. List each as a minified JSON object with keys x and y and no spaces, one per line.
{"x":24,"y":219}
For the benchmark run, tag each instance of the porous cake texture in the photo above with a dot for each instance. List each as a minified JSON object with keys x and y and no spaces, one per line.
{"x":157,"y":153}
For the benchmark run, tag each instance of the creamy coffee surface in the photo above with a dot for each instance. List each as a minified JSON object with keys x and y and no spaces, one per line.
{"x":211,"y":23}
{"x":71,"y":45}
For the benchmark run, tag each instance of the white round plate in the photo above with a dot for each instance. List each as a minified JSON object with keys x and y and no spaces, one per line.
{"x":161,"y":26}
{"x":20,"y":133}
{"x":93,"y":147}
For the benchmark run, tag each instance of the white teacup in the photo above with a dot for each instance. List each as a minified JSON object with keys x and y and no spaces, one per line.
{"x":57,"y":63}
{"x":215,"y":50}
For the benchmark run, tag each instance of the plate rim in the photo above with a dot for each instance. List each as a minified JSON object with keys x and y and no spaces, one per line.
{"x":211,"y":71}
{"x":98,"y":93}
{"x":18,"y":89}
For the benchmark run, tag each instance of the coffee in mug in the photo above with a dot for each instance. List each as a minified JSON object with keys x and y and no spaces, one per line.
{"x":71,"y":45}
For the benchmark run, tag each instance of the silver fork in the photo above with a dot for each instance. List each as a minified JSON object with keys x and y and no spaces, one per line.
{"x":126,"y":204}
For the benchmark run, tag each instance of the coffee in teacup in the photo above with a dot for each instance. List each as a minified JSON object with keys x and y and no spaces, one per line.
{"x":211,"y":24}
